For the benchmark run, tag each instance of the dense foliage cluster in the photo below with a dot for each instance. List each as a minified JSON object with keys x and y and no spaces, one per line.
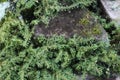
{"x":3,"y":0}
{"x":26,"y":57}
{"x":44,"y":10}
{"x":54,"y":58}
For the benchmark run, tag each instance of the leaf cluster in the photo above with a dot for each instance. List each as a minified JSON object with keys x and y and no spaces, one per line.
{"x":44,"y":10}
{"x":25,"y":57}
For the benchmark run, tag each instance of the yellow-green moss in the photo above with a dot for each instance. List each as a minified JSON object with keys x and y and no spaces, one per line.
{"x":96,"y":30}
{"x":88,"y":27}
{"x":84,"y":21}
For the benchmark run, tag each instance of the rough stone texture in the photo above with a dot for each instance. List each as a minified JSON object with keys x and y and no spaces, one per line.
{"x":3,"y":6}
{"x":112,"y":8}
{"x":88,"y":77}
{"x":80,"y":22}
{"x":118,"y":78}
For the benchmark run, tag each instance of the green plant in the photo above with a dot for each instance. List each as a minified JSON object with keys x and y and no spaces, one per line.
{"x":3,"y":0}
{"x":44,"y":10}
{"x":72,"y":4}
{"x":26,"y":57}
{"x":113,"y":31}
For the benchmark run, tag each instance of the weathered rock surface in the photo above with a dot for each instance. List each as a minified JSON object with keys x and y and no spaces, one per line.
{"x":118,"y":78}
{"x":88,"y":77}
{"x":3,"y":6}
{"x":80,"y":22}
{"x":112,"y":8}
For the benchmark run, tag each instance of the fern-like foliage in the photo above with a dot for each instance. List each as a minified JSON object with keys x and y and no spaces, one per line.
{"x":3,"y":0}
{"x":44,"y":10}
{"x":24,"y":57}
{"x":72,"y":4}
{"x":55,"y":58}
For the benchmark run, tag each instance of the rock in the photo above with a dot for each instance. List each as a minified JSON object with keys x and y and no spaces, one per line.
{"x":3,"y":6}
{"x":118,"y":78}
{"x":80,"y":22}
{"x":112,"y":9}
{"x":89,"y":77}
{"x":78,"y":77}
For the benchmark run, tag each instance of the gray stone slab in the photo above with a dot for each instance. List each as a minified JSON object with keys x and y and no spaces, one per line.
{"x":118,"y":78}
{"x":112,"y":8}
{"x":3,"y":6}
{"x":88,"y":77}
